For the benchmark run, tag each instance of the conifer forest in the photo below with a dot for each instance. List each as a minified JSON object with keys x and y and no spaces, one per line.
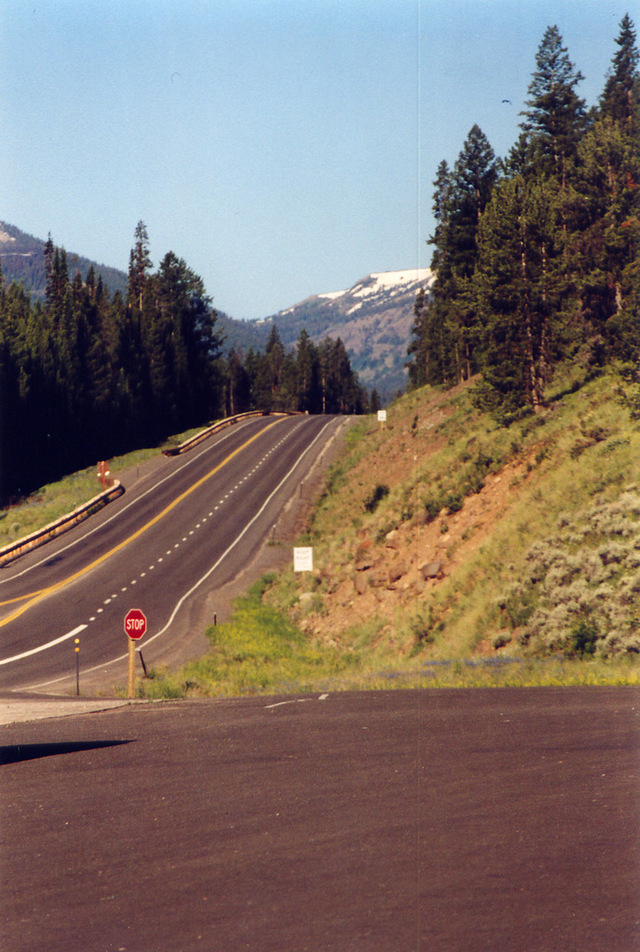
{"x":86,"y":375}
{"x":537,"y":255}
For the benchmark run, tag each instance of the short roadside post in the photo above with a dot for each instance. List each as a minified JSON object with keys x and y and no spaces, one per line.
{"x":135,"y":625}
{"x":77,"y":642}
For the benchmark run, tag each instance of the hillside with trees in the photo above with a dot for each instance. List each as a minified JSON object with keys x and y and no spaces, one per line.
{"x":537,"y":254}
{"x":22,"y":259}
{"x":86,"y":374}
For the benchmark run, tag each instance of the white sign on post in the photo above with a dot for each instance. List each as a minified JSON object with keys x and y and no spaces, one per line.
{"x":303,"y":559}
{"x":382,"y":416}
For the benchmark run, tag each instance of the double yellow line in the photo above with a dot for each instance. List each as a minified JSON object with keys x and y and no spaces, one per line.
{"x":33,"y":598}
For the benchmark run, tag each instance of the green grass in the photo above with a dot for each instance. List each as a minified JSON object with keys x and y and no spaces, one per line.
{"x":260,"y":651}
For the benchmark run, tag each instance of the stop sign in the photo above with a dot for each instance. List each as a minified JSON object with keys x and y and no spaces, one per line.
{"x":135,"y":623}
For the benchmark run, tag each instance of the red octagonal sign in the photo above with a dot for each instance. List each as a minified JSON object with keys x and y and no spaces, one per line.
{"x":135,"y":624}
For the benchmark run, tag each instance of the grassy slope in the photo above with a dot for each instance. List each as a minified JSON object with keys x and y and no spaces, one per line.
{"x":442,"y":483}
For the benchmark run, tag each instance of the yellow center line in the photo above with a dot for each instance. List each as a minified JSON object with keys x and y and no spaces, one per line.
{"x":35,"y":597}
{"x":21,"y":598}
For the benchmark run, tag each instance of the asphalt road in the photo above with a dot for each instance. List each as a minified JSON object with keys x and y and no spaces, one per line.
{"x":431,"y":821}
{"x":192,"y":526}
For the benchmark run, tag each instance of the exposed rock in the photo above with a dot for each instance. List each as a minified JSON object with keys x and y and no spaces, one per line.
{"x":392,"y":539}
{"x":306,"y":600}
{"x":432,"y":570}
{"x":365,"y":558}
{"x":361,"y":582}
{"x":396,"y":570}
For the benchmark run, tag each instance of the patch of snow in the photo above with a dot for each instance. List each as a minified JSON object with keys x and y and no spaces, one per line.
{"x":331,"y":295}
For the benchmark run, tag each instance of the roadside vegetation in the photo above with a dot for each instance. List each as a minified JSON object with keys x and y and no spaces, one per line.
{"x":533,"y":527}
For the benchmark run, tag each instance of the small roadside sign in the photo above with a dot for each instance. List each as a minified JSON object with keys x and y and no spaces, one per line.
{"x":303,"y":559}
{"x":382,"y":416}
{"x":135,"y":624}
{"x":104,"y":473}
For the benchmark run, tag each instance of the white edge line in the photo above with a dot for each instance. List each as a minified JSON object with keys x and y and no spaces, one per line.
{"x":49,"y":644}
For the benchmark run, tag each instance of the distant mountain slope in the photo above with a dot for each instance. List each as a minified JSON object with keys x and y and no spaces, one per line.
{"x":373,"y":319}
{"x":22,"y":259}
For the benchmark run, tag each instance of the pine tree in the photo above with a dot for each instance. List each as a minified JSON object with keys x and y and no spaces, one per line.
{"x":621,"y":94}
{"x":555,"y":117}
{"x":448,"y":330}
{"x":139,"y":266}
{"x":307,"y":374}
{"x":604,"y":240}
{"x":419,"y":352}
{"x":520,"y":288}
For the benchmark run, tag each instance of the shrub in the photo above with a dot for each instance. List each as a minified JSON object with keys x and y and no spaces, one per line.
{"x":582,"y":640}
{"x":581,"y":594}
{"x":375,"y":497}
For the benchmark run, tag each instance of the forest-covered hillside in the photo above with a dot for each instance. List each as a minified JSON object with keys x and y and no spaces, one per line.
{"x":538,"y":254}
{"x":22,"y":259}
{"x":86,"y":374}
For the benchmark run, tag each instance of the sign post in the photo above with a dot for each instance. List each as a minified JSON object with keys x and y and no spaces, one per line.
{"x":135,"y":625}
{"x":104,"y":474}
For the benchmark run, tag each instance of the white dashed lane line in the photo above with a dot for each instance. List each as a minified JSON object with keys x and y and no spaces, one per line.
{"x":203,"y":519}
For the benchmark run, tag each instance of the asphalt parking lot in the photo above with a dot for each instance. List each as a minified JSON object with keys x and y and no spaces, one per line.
{"x":391,"y":821}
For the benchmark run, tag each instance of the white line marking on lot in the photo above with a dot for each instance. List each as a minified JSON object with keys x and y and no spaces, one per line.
{"x":296,"y":700}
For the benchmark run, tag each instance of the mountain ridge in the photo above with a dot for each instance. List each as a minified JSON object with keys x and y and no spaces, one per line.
{"x":373,"y":318}
{"x":22,"y":259}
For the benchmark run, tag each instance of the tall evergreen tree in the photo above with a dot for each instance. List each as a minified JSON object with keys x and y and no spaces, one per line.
{"x":555,"y":114}
{"x":520,"y":287}
{"x":621,"y":94}
{"x":139,"y":266}
{"x":446,"y":330}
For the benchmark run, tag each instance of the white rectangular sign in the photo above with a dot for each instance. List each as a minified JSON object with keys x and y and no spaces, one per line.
{"x":303,"y":559}
{"x":382,"y":416}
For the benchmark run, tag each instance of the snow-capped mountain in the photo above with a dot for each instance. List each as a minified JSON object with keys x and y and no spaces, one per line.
{"x":373,"y":319}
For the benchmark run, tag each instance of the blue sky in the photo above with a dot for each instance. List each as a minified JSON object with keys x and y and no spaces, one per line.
{"x":283,"y":148}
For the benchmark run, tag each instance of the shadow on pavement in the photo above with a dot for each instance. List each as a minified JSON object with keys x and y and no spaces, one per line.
{"x":18,"y":752}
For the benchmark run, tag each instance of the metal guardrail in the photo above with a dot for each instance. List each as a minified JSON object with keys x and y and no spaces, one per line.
{"x":221,"y":425}
{"x":209,"y":431}
{"x":15,"y":549}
